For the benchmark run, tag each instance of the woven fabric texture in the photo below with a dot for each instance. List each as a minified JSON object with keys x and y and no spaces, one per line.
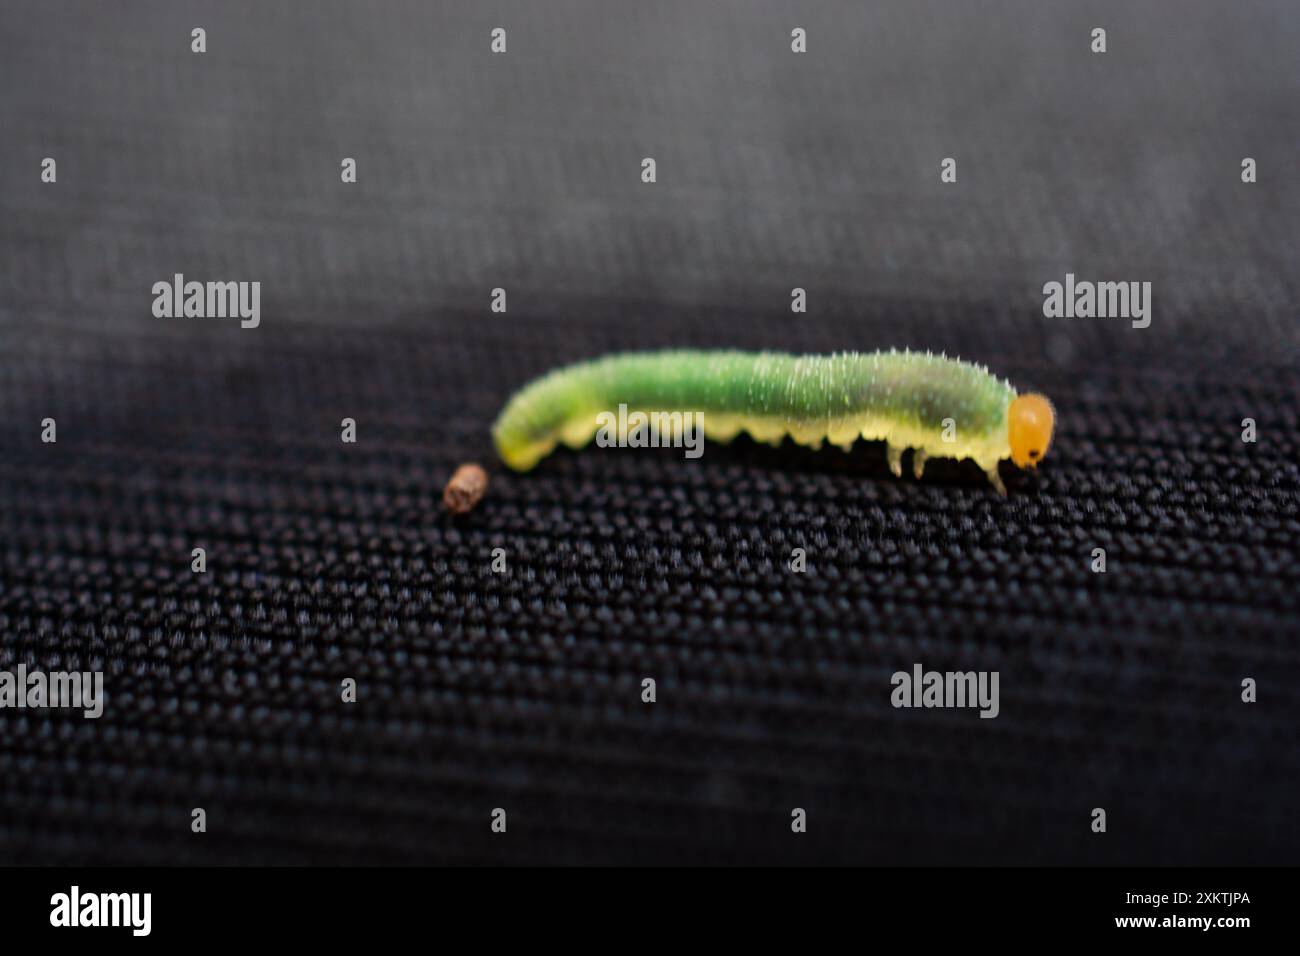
{"x":522,"y":690}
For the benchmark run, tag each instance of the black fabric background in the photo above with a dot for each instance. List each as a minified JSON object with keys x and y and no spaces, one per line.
{"x":522,"y":691}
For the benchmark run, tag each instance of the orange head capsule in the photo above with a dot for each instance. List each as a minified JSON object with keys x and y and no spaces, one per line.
{"x":1029,"y":427}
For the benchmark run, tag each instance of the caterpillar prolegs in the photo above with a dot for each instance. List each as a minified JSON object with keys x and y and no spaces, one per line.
{"x":937,"y":406}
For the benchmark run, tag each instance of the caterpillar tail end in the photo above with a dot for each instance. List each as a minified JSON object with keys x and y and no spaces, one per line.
{"x":519,"y":456}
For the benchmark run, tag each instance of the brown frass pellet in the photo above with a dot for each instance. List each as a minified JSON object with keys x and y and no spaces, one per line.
{"x":465,"y":490}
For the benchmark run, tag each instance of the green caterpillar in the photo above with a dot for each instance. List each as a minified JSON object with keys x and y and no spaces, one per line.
{"x":940,"y":407}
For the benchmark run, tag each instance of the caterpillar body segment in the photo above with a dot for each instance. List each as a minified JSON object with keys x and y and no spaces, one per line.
{"x":937,"y":406}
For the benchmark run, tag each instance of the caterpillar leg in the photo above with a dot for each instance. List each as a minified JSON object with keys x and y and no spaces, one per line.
{"x":996,"y":479}
{"x":918,"y":462}
{"x":894,"y":455}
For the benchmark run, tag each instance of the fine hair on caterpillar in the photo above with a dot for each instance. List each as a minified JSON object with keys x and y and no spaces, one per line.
{"x":937,"y":406}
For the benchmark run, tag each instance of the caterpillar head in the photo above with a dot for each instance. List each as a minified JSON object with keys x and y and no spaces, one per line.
{"x":1029,"y":428}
